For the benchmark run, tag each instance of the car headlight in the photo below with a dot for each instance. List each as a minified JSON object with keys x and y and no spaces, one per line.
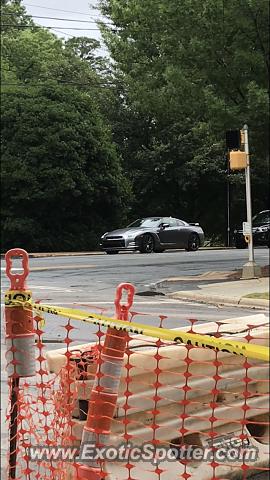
{"x":131,"y":236}
{"x":263,"y":229}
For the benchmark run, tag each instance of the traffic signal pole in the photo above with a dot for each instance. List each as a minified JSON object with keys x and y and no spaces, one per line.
{"x":248,"y":196}
{"x":250,"y":269}
{"x":228,"y":205}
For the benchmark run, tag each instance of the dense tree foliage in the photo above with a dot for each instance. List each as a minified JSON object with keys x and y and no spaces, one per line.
{"x":88,"y":143}
{"x":191,"y":70}
{"x":62,"y":182}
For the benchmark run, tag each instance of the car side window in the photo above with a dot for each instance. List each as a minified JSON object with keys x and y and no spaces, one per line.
{"x":171,"y":221}
{"x":164,"y":220}
{"x":179,"y":223}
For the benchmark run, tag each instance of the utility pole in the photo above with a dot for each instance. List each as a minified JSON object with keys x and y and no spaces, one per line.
{"x":228,"y":205}
{"x":250,"y":269}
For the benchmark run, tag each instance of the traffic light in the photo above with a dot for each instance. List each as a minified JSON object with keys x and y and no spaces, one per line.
{"x":238,"y":160}
{"x":233,"y":139}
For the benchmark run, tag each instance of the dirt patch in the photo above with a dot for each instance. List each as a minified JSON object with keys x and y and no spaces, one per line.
{"x":237,"y":274}
{"x":264,"y":296}
{"x":210,"y":277}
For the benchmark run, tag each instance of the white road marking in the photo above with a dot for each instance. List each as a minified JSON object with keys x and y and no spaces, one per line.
{"x":54,"y":289}
{"x":93,"y":303}
{"x":3,"y":269}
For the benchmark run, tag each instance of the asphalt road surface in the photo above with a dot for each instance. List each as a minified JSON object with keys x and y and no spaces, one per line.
{"x":95,"y":277}
{"x":92,"y":280}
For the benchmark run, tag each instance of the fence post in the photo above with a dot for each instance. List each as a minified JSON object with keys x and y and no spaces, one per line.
{"x":104,"y":394}
{"x":20,"y":343}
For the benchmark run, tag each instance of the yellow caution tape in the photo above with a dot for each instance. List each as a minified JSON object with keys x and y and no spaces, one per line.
{"x":40,"y":321}
{"x":247,"y":350}
{"x":13,"y":296}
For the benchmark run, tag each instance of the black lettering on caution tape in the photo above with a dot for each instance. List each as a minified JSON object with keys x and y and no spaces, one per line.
{"x":205,"y":345}
{"x":122,"y":328}
{"x":20,"y":296}
{"x":52,"y":311}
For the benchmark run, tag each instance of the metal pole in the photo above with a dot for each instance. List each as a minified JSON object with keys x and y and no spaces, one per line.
{"x":228,"y":206}
{"x":248,"y":196}
{"x":250,"y":269}
{"x":13,"y":428}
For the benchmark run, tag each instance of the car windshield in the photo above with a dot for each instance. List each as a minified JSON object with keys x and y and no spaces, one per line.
{"x":261,"y":218}
{"x":146,"y":222}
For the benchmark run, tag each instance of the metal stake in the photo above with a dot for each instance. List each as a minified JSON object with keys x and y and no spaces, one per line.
{"x":13,"y":427}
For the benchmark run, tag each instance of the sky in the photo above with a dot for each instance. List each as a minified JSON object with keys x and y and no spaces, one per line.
{"x":83,"y":14}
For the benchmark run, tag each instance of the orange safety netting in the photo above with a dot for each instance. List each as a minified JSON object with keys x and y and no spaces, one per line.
{"x":174,"y":398}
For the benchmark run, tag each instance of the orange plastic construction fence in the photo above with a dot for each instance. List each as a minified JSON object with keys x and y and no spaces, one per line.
{"x":131,"y":407}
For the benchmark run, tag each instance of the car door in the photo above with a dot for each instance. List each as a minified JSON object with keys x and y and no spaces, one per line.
{"x":168,"y":235}
{"x":182,"y":234}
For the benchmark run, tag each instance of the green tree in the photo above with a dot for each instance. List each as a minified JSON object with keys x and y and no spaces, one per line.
{"x":191,"y":70}
{"x":13,"y":13}
{"x":62,"y":181}
{"x":86,"y":49}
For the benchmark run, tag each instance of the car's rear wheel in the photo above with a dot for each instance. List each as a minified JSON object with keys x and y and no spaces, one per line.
{"x":112,"y":252}
{"x":193,"y":243}
{"x":147,"y":244}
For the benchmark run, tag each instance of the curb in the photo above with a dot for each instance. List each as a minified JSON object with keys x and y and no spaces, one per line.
{"x":74,"y":254}
{"x":241,"y":302}
{"x":64,"y":254}
{"x":206,"y":277}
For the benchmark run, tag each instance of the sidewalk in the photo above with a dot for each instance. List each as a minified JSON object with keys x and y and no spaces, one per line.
{"x":230,"y":292}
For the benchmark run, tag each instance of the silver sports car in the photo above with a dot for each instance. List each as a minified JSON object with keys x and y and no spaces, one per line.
{"x":154,"y":234}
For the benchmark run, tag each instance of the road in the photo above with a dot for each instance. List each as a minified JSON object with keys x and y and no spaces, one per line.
{"x":93,"y":279}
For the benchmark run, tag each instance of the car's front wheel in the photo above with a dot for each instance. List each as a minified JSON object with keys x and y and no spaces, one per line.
{"x":147,"y":244}
{"x":193,"y":243}
{"x":112,"y":252}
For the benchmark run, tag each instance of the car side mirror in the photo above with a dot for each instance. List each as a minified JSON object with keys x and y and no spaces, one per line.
{"x":164,"y":225}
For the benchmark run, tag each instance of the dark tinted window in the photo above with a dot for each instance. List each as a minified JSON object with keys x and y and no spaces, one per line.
{"x":263,"y":217}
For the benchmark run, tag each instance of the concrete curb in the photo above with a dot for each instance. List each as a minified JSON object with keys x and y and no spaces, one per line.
{"x":64,"y":254}
{"x":216,"y":299}
{"x":74,"y":254}
{"x":201,"y":278}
